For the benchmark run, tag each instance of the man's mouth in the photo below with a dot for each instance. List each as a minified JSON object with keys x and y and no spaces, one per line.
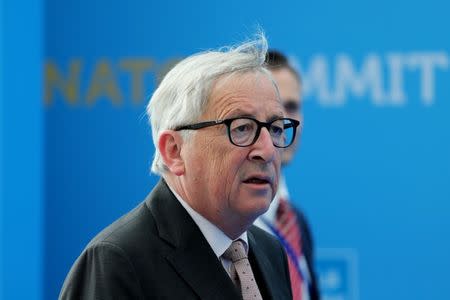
{"x":257,"y":180}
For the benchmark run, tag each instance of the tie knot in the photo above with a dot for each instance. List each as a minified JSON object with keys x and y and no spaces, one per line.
{"x":235,"y":252}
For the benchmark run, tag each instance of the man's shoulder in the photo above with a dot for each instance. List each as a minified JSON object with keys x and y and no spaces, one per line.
{"x":135,"y":227}
{"x":127,"y":228}
{"x":128,"y":250}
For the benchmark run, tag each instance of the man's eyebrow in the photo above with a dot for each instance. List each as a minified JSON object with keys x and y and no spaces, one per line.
{"x":238,"y":113}
{"x":241,"y":113}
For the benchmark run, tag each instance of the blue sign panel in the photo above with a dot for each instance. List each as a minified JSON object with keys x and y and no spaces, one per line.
{"x":338,"y":274}
{"x":372,"y":173}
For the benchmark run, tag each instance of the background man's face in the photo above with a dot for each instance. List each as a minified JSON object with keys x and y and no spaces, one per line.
{"x":290,"y":91}
{"x":224,"y":178}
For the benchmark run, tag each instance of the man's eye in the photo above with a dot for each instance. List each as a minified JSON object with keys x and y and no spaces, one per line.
{"x":243,"y":128}
{"x":276,"y":130}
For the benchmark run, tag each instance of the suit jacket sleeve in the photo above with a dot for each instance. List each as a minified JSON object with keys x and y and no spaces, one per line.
{"x":103,"y":271}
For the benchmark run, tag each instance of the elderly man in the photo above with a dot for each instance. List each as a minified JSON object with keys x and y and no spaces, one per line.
{"x":219,"y":128}
{"x":283,"y":219}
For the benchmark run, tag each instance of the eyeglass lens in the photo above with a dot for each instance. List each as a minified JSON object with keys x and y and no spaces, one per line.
{"x":243,"y":132}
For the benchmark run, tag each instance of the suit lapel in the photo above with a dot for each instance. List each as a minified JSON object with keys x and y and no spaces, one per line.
{"x":199,"y":266}
{"x":192,"y":257}
{"x":263,"y":264}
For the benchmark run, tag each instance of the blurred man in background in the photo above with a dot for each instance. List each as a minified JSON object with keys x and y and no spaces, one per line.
{"x":283,"y":219}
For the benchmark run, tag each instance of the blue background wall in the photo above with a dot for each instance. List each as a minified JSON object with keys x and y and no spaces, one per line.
{"x":21,"y":152}
{"x":372,"y":173}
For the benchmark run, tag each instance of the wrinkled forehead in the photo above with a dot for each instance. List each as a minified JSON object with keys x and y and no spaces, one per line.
{"x":253,"y":93}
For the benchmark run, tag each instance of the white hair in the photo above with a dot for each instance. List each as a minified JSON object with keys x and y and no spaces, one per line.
{"x":184,"y":92}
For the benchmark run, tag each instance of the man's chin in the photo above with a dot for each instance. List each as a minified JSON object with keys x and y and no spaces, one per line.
{"x":257,"y":200}
{"x":262,"y":208}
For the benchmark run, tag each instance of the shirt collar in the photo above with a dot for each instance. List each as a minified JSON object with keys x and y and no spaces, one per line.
{"x":215,"y":237}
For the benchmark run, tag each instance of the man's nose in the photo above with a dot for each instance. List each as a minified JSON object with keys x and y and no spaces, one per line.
{"x":263,"y":148}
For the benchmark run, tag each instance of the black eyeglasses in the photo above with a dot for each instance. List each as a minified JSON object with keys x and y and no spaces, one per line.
{"x":244,"y":131}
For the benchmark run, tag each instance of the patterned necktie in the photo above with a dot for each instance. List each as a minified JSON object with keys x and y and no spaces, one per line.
{"x":288,"y":227}
{"x":241,"y":266}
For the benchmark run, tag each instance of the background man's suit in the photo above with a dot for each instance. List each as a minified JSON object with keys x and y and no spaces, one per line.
{"x":157,"y":252}
{"x":308,"y":252}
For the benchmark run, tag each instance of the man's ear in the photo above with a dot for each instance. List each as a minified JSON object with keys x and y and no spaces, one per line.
{"x":169,"y":145}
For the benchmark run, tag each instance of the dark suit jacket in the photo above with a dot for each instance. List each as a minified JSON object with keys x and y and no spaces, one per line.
{"x":156,"y":251}
{"x":308,"y":251}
